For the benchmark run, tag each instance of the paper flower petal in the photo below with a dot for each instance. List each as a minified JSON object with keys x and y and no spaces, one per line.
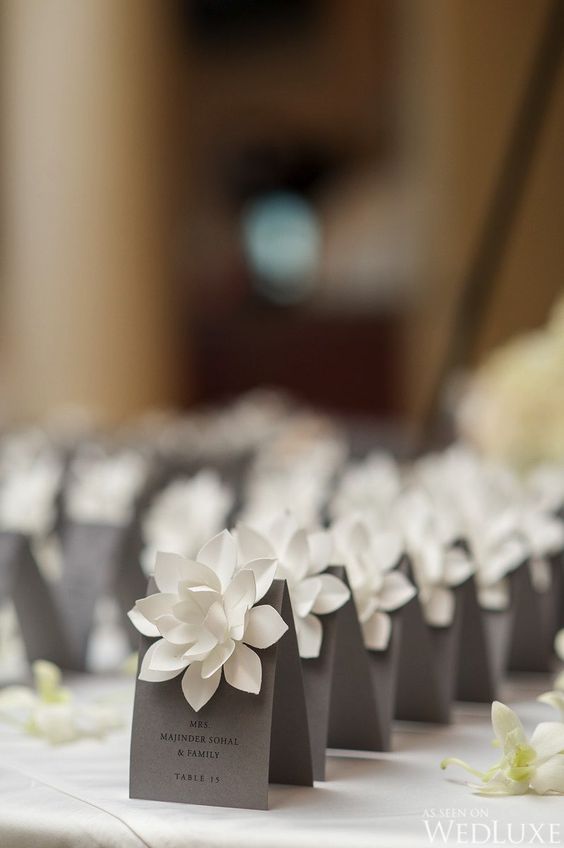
{"x":252,"y":545}
{"x":264,"y":627}
{"x":217,"y":657}
{"x":377,"y":631}
{"x":396,"y":591}
{"x":197,"y":689}
{"x":240,"y":595}
{"x":243,"y":669}
{"x":153,"y":676}
{"x":166,"y":657}
{"x":387,"y":549}
{"x":439,"y":605}
{"x":171,"y":570}
{"x":309,"y":631}
{"x":200,"y":649}
{"x":177,"y":632}
{"x":264,"y":571}
{"x":146,"y":610}
{"x":320,"y":549}
{"x":216,"y":621}
{"x":296,"y":557}
{"x":494,"y":597}
{"x":334,"y":593}
{"x":548,"y":739}
{"x":303,"y":595}
{"x":220,"y":554}
{"x":458,"y":566}
{"x":549,"y":777}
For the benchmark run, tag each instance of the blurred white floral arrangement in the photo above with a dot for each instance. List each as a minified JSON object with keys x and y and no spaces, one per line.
{"x":513,"y":408}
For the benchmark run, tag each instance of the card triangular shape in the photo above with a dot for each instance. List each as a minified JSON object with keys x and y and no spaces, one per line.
{"x":225,"y":754}
{"x":33,"y":600}
{"x":534,"y":625}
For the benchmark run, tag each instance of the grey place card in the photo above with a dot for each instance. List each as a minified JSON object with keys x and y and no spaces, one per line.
{"x":227,"y":753}
{"x":428,"y":665}
{"x":535,"y":622}
{"x":485,"y":640}
{"x":21,"y":580}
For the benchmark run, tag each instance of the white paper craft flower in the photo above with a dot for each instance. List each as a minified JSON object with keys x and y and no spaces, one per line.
{"x":103,"y":488}
{"x":368,"y":487}
{"x":301,"y":557}
{"x":369,"y":558}
{"x":537,"y":765}
{"x":543,"y":534}
{"x":27,"y":496}
{"x":184,"y":515}
{"x":497,"y":549}
{"x":556,"y":697}
{"x":206,"y":617}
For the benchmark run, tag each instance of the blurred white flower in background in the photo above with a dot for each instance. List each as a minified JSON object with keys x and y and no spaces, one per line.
{"x":302,"y":558}
{"x":367,"y":488}
{"x":370,"y":558}
{"x":27,"y":495}
{"x":184,"y":515}
{"x":52,"y":713}
{"x":513,"y":408}
{"x":103,"y":489}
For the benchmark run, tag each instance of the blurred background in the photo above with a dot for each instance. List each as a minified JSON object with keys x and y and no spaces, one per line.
{"x":202,"y":197}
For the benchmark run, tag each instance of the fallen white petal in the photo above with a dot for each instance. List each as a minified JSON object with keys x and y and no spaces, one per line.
{"x":264,"y":627}
{"x":243,"y":669}
{"x":197,"y":689}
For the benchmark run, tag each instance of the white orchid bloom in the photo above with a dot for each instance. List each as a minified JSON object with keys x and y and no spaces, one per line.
{"x":369,"y":558}
{"x":206,"y":617}
{"x":537,"y":765}
{"x":51,"y":712}
{"x":301,"y":557}
{"x":103,"y":489}
{"x":185,"y":514}
{"x":27,"y":496}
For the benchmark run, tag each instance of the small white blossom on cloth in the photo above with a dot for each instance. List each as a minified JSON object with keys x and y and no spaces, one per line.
{"x":370,"y":557}
{"x":185,"y":514}
{"x":537,"y":764}
{"x":207,"y":621}
{"x":302,"y":558}
{"x":50,"y":711}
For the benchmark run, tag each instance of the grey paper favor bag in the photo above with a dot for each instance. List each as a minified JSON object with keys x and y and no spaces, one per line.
{"x":32,"y":597}
{"x":227,"y":753}
{"x":364,"y":686}
{"x":91,"y":555}
{"x":534,"y":624}
{"x":485,"y":640}
{"x":428,"y":665}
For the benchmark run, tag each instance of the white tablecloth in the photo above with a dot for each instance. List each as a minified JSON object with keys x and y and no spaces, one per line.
{"x":77,"y":795}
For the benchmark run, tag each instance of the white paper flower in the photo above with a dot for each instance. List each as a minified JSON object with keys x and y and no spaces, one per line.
{"x":103,"y":489}
{"x":537,"y":765}
{"x":301,"y":557}
{"x":368,"y":487}
{"x":497,"y":549}
{"x":185,"y":514}
{"x":370,"y":557}
{"x":27,"y":496}
{"x":206,"y":617}
{"x":543,"y":534}
{"x":52,"y":713}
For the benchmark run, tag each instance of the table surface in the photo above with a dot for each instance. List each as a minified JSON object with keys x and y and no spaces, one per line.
{"x":77,"y":795}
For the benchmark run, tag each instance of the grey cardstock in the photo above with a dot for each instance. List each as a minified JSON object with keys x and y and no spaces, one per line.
{"x":32,"y":598}
{"x":535,"y":622}
{"x":485,"y":641}
{"x":257,"y":738}
{"x":364,"y":687}
{"x":428,"y":665}
{"x":91,"y":553}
